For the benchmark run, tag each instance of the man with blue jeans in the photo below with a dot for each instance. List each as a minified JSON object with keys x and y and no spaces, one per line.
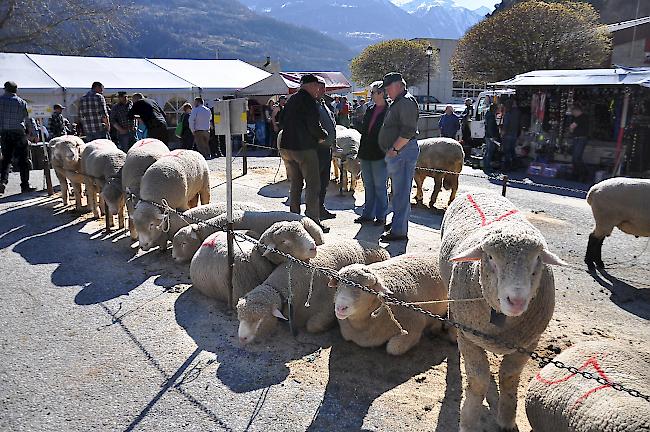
{"x":397,"y":138}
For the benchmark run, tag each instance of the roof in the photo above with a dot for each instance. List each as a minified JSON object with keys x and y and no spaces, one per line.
{"x":334,"y":81}
{"x":581,"y":77}
{"x":26,"y":73}
{"x":628,"y":24}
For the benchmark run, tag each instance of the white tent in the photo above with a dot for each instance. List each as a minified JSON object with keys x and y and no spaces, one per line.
{"x":30,"y":78}
{"x":581,"y":77}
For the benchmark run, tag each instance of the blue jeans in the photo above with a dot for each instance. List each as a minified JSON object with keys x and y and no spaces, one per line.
{"x":490,"y":147}
{"x":373,"y":173}
{"x":96,"y":135}
{"x":400,"y":169}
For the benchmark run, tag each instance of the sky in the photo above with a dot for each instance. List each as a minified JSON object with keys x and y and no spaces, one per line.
{"x":469,"y":4}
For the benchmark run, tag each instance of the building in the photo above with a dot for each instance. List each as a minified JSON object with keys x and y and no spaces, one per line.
{"x":631,"y":42}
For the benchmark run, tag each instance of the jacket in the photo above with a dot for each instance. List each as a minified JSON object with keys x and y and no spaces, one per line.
{"x":401,"y":121}
{"x":369,"y":147}
{"x":449,"y":125}
{"x":300,"y":122}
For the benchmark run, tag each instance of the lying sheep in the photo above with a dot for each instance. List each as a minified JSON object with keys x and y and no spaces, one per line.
{"x":257,"y":310}
{"x":140,"y":156}
{"x":188,"y":239}
{"x":443,"y":154}
{"x":616,"y":202}
{"x":558,"y":401}
{"x":209,"y":267}
{"x":178,"y":178}
{"x":406,"y":277}
{"x":102,"y":161}
{"x":345,"y":158}
{"x":66,"y":157}
{"x":490,"y":251}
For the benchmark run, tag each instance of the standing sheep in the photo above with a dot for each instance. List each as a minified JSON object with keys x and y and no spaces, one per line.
{"x":178,"y":177}
{"x":345,"y":158}
{"x":257,"y":310}
{"x":407,"y":278}
{"x":559,"y":401}
{"x":490,"y":250}
{"x":66,"y":157}
{"x":443,"y":154}
{"x":188,"y":239}
{"x":209,"y":267}
{"x":616,"y":202}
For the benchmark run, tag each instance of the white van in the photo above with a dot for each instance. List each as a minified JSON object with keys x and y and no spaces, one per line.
{"x":481,"y":106}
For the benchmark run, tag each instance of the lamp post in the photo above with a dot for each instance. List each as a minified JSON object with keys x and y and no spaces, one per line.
{"x":429,"y":54}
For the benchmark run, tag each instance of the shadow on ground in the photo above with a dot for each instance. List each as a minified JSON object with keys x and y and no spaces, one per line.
{"x":628,"y":297}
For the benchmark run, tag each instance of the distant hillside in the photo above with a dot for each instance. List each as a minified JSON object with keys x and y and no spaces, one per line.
{"x":611,"y":11}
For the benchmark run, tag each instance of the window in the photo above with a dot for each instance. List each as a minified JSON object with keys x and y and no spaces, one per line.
{"x":173,"y":110}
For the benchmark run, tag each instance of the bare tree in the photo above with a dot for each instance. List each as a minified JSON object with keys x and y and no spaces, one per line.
{"x":63,"y":26}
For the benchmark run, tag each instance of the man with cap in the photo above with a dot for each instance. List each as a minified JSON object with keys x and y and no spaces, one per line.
{"x":14,"y":120}
{"x":93,"y":113}
{"x":58,"y":125}
{"x":124,"y":126}
{"x":325,"y":148}
{"x":302,"y":133}
{"x":397,"y":138}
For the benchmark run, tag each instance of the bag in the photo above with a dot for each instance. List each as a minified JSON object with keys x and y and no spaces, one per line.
{"x":179,"y":128}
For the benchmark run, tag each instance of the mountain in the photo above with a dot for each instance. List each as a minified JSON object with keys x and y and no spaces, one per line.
{"x":482,"y":11}
{"x":456,"y":19}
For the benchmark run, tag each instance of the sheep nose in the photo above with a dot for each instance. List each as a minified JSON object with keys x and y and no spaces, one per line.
{"x":341,"y":309}
{"x":243,"y":339}
{"x":518,"y":302}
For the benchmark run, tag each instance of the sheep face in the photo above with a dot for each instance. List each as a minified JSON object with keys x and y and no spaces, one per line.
{"x":352,"y":302}
{"x":113,"y":196}
{"x":185,"y":243}
{"x":510,"y":269}
{"x":69,"y":153}
{"x":288,"y":237}
{"x":149,"y":223}
{"x":257,"y":315}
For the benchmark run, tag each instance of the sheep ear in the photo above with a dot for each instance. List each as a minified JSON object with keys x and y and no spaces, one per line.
{"x":194,"y":229}
{"x":267,"y":252}
{"x":314,"y":230}
{"x":381,"y":288}
{"x":472,"y":254}
{"x":552,"y":259}
{"x":333,"y":283}
{"x":276,"y":313}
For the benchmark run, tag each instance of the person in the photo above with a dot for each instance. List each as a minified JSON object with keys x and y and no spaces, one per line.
{"x":510,"y":132}
{"x":449,"y":123}
{"x":325,"y":149}
{"x":344,"y":112}
{"x":268,"y":122}
{"x":93,"y":113}
{"x":491,"y":135}
{"x":14,"y":125}
{"x":397,"y":138}
{"x":301,"y":135}
{"x":373,"y":165}
{"x":466,"y":117}
{"x":124,"y":126}
{"x":359,"y":114}
{"x":200,"y":126}
{"x":151,"y":115}
{"x":141,"y":129}
{"x":58,"y":124}
{"x":580,"y":136}
{"x":187,"y":139}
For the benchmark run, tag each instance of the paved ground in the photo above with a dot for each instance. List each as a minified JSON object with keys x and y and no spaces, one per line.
{"x":97,"y":335}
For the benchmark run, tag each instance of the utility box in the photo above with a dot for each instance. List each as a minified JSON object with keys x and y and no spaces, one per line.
{"x":221,"y":117}
{"x":238,"y":116}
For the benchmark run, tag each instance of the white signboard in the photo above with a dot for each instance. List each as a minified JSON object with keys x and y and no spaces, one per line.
{"x":39,"y":111}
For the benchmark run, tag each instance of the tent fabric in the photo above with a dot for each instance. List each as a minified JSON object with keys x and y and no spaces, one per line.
{"x":27,"y":74}
{"x":580,"y":77}
{"x":334,"y":81}
{"x":270,"y":86}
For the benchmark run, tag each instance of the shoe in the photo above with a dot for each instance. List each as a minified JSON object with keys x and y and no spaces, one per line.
{"x":388,"y":226}
{"x":2,"y":188}
{"x":326,"y":214}
{"x":389,"y":236}
{"x":379,"y":222}
{"x":27,"y":189}
{"x":362,"y":220}
{"x":324,"y":228}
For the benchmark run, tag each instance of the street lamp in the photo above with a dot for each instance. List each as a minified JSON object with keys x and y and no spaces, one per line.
{"x":429,"y":54}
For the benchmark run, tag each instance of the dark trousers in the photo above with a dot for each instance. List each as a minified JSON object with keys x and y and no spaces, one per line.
{"x":324,"y":162}
{"x":509,"y":155}
{"x":302,"y":168}
{"x":579,"y":168}
{"x":158,"y":132}
{"x":14,"y":145}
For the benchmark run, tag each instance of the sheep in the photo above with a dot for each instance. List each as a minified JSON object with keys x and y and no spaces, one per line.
{"x":188,"y":239}
{"x":443,"y":154}
{"x":209,"y":266}
{"x":101,"y":161}
{"x":257,"y":309}
{"x":616,"y":202}
{"x":558,"y":401}
{"x":490,"y":250}
{"x":408,"y":278}
{"x":345,"y":158}
{"x":178,"y":178}
{"x":140,"y":156}
{"x":66,"y":156}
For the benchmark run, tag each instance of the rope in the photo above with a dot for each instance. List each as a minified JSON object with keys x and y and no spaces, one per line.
{"x":290,"y":299}
{"x":385,"y":306}
{"x":166,"y":223}
{"x":311,"y":287}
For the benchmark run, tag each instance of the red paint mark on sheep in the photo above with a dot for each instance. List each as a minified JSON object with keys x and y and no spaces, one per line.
{"x":213,"y":242}
{"x":146,"y":141}
{"x":593,"y":362}
{"x":175,"y":153}
{"x":484,"y":221}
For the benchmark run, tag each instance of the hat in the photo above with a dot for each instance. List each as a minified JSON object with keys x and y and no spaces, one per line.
{"x":392,"y":77}
{"x":121,"y":93}
{"x":282,"y":97}
{"x":11,"y":86}
{"x":59,"y":106}
{"x":308,"y":78}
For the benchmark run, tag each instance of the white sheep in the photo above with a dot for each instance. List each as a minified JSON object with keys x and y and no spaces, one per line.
{"x":66,"y":157}
{"x":178,"y":178}
{"x":345,"y":159}
{"x":187,"y":240}
{"x":410,"y":278}
{"x":490,"y":250}
{"x":617,"y":202}
{"x":209,"y":266}
{"x":559,"y":401}
{"x":257,"y":310}
{"x":443,"y":154}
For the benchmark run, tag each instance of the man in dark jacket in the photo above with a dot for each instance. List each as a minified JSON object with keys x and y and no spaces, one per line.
{"x":152,"y":116}
{"x":301,"y":134}
{"x":449,"y":123}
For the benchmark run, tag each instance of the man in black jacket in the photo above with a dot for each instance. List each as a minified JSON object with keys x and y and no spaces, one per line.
{"x":152,"y":116}
{"x":301,"y":134}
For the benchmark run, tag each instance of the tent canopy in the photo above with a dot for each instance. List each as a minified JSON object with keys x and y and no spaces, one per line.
{"x":581,"y":77}
{"x":334,"y":81}
{"x":29,"y":77}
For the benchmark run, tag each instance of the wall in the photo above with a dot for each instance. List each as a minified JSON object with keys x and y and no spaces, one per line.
{"x":442,"y":80}
{"x":630,"y":53}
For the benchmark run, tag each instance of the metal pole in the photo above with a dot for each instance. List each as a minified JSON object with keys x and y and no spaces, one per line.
{"x":244,"y":155}
{"x":428,"y":81}
{"x":231,"y":258}
{"x":504,"y":185}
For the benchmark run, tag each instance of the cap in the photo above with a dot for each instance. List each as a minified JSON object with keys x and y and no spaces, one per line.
{"x":59,"y":106}
{"x":282,"y":97}
{"x":308,"y":78}
{"x":392,"y":77}
{"x":121,"y":93}
{"x":11,"y":86}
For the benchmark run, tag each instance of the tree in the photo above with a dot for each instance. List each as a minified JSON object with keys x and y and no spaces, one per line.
{"x":530,"y":36}
{"x":397,"y":55}
{"x":611,"y":11}
{"x":63,"y":26}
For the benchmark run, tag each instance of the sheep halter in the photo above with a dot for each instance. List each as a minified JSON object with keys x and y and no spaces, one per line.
{"x":384,"y":305}
{"x":165,"y":225}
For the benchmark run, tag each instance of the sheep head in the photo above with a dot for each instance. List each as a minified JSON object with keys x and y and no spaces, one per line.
{"x":288,"y":237}
{"x":68,"y":151}
{"x":257,"y":313}
{"x":149,"y":222}
{"x":352,"y":302}
{"x":511,"y":264}
{"x":113,"y":195}
{"x":186,"y":242}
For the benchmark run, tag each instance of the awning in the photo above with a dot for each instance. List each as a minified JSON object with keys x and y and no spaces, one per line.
{"x":580,"y":77}
{"x":334,"y":81}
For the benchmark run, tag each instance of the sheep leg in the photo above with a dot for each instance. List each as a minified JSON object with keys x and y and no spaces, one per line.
{"x":120,"y":216}
{"x":398,"y":345}
{"x":193,"y":201}
{"x":204,"y":194}
{"x":64,"y":186}
{"x":419,"y":181}
{"x":477,"y":370}
{"x":129,"y":208}
{"x":77,"y":196}
{"x":436,"y":190}
{"x":453,"y":181}
{"x":91,"y":198}
{"x":335,"y":165}
{"x":509,"y":373}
